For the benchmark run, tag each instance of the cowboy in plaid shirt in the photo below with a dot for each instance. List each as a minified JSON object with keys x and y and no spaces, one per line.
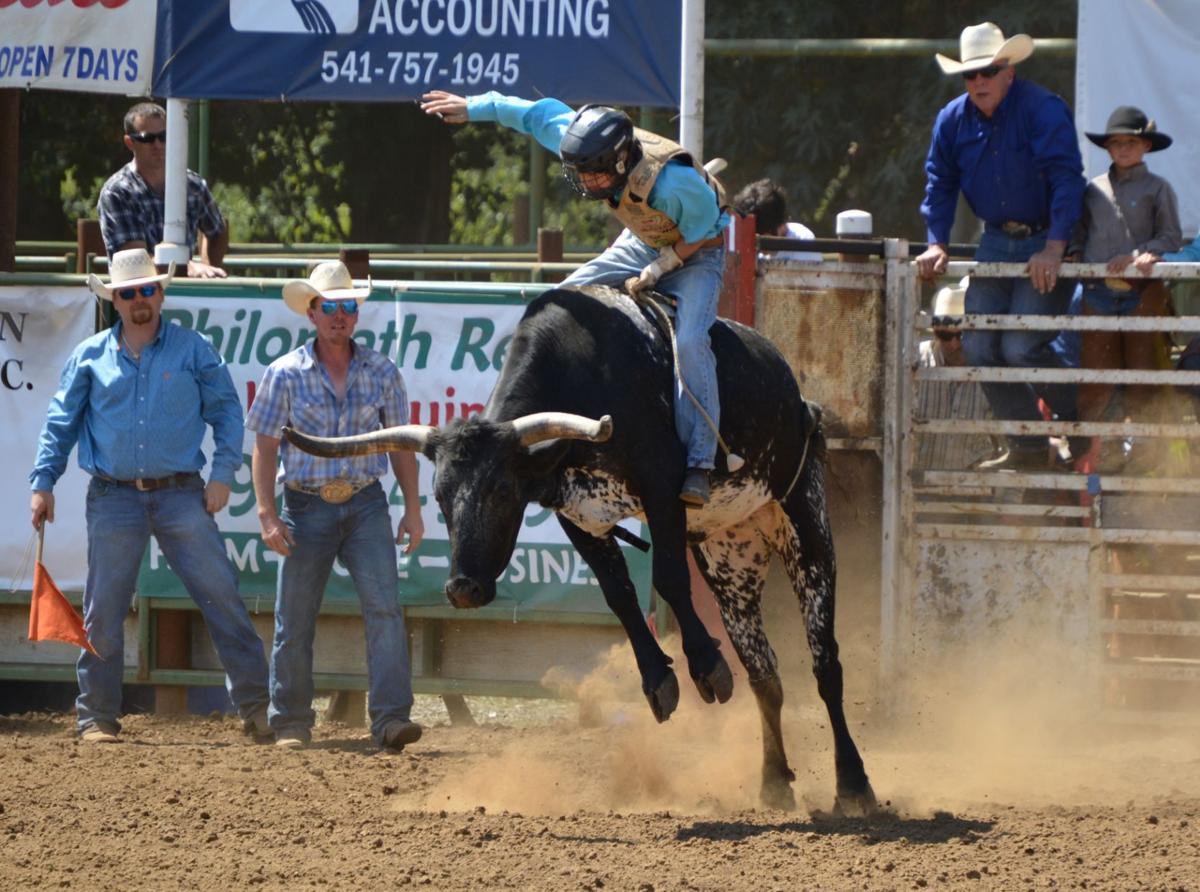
{"x":132,"y":203}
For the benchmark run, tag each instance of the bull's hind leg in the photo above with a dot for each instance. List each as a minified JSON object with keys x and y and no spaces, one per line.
{"x":604,"y":557}
{"x":734,"y":563}
{"x":805,"y":544}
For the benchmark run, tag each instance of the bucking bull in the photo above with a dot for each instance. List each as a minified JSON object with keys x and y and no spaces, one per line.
{"x":581,"y":421}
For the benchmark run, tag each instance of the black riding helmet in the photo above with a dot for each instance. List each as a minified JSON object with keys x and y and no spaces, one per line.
{"x":599,"y":140}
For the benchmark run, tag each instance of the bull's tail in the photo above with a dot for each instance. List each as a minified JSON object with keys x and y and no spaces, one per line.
{"x":813,"y":447}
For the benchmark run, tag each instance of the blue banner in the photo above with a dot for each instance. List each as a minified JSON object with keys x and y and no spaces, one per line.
{"x":623,"y":52}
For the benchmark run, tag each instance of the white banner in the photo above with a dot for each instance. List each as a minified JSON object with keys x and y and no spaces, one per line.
{"x":38,"y":329}
{"x":1144,"y":53}
{"x":450,"y":348}
{"x":92,"y":46}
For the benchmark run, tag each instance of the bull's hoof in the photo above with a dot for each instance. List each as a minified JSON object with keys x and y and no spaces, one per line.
{"x":777,"y":794}
{"x":856,"y":805}
{"x":716,"y":683}
{"x":664,"y":698}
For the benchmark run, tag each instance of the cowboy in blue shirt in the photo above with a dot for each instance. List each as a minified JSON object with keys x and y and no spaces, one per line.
{"x":138,"y":399}
{"x":1010,"y":147}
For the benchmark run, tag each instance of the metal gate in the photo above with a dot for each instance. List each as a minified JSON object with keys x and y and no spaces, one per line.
{"x":1099,"y":571}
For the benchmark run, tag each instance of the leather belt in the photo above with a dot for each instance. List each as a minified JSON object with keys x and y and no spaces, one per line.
{"x":714,"y":242}
{"x":334,"y":491}
{"x":152,"y":484}
{"x":1014,"y":229}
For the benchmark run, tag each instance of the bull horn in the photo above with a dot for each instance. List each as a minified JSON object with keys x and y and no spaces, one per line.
{"x":544,"y":426}
{"x":411,"y":437}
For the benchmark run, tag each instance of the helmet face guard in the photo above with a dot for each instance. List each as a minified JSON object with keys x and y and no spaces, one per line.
{"x":599,"y":140}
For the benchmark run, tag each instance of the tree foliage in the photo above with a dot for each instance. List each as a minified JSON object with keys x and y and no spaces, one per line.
{"x":838,"y":132}
{"x":842,"y":132}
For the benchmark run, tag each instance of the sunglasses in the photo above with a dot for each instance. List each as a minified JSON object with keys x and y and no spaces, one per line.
{"x":986,"y":73}
{"x":948,"y":335}
{"x":131,"y":293}
{"x":146,"y":138}
{"x":349,"y":306}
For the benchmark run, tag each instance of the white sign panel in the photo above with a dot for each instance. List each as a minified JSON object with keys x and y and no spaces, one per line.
{"x":39,"y":327}
{"x":1144,"y":53}
{"x":92,"y":46}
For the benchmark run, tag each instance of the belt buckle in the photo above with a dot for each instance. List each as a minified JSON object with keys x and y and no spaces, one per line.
{"x":1017,"y":230}
{"x":336,"y":491}
{"x":139,"y":483}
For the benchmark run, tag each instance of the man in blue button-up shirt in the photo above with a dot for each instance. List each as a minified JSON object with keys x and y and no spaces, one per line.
{"x":138,"y":399}
{"x":1010,"y":147}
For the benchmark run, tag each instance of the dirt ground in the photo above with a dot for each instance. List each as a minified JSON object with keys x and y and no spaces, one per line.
{"x":532,"y":798}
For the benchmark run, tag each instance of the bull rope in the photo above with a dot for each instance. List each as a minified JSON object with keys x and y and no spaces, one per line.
{"x":732,"y":459}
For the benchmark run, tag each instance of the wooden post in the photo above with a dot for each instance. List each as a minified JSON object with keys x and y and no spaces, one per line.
{"x":550,"y":250}
{"x":521,"y":220}
{"x":357,"y":260}
{"x":737,"y":298}
{"x":170,"y":652}
{"x":347,"y":707}
{"x":88,"y":240}
{"x":10,"y":131}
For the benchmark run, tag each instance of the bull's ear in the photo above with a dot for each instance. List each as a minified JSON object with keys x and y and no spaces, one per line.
{"x":542,"y":458}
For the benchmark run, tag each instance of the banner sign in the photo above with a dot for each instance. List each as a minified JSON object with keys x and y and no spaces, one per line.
{"x":624,"y":52}
{"x":94,"y":46}
{"x":39,"y":327}
{"x":1163,"y":36}
{"x":450,"y":349}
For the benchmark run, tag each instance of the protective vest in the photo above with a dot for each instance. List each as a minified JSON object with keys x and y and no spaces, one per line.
{"x":653,"y":227}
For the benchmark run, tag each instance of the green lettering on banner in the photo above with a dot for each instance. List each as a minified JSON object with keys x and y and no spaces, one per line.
{"x":265,"y":354}
{"x":476,"y":332}
{"x":249,"y":327}
{"x":423,"y":339}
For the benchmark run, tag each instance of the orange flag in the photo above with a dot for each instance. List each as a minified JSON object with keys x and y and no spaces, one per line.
{"x":51,"y":616}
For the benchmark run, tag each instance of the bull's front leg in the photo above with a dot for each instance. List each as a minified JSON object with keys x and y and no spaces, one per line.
{"x":604,"y":557}
{"x":708,"y":669}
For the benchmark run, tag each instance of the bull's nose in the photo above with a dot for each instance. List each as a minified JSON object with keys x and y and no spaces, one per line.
{"x":463,"y":591}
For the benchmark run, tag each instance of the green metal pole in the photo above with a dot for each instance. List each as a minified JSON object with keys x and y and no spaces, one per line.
{"x":537,"y":188}
{"x":203,"y":133}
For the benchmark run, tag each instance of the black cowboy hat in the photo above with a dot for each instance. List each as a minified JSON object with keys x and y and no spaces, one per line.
{"x":1132,"y":121}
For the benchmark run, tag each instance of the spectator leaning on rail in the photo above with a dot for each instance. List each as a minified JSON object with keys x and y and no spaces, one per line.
{"x":674,"y":214}
{"x":1130,"y":218}
{"x":1010,"y":147}
{"x":944,"y":400}
{"x":132,"y":204}
{"x":767,"y":201}
{"x":334,"y":508}
{"x":138,"y":398}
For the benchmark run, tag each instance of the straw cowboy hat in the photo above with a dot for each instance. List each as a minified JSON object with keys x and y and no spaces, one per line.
{"x":983,"y":45}
{"x":128,"y":269}
{"x":1128,"y":120}
{"x":951,"y":300}
{"x":329,"y":280}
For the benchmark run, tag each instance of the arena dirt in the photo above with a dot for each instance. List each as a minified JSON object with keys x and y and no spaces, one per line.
{"x":997,"y":784}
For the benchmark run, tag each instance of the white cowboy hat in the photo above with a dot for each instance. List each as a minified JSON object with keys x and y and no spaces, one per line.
{"x":983,"y":45}
{"x":128,"y":269}
{"x":329,"y":280}
{"x":951,"y":300}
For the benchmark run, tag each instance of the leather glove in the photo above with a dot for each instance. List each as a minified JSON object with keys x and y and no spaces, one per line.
{"x":667,"y":261}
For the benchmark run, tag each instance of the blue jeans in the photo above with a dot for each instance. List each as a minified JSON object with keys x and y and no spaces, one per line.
{"x":1103,"y":301}
{"x":359,"y":533}
{"x":1018,"y":349}
{"x":696,"y":286}
{"x":120,"y":521}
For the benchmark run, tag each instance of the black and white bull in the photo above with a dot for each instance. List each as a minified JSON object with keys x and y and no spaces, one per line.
{"x":594,"y":355}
